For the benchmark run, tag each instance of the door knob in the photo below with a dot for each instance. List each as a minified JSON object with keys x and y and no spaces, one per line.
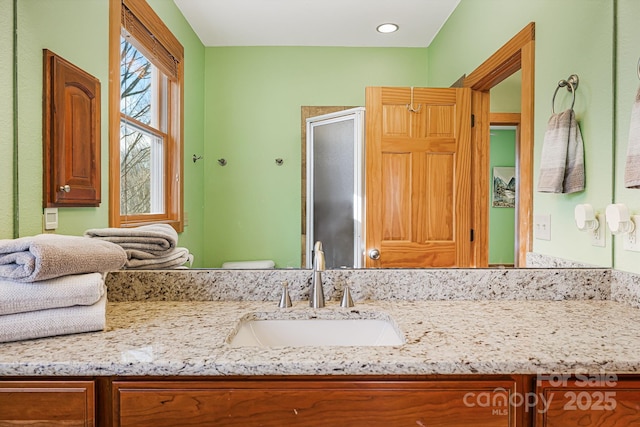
{"x":65,"y":188}
{"x":374,"y":254}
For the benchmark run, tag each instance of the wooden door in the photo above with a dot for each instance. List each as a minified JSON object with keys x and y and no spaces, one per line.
{"x":418,"y":177}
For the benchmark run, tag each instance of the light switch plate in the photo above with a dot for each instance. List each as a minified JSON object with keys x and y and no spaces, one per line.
{"x":542,"y":226}
{"x":50,"y":218}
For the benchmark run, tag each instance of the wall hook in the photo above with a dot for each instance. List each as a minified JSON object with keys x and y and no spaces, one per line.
{"x":196,"y":158}
{"x":410,"y":106}
{"x":279,"y":161}
{"x":222,"y":162}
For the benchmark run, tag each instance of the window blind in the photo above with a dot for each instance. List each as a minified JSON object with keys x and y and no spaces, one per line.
{"x":147,"y":43}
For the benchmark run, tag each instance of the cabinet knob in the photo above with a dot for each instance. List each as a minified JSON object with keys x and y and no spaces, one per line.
{"x":65,"y":188}
{"x":374,"y":254}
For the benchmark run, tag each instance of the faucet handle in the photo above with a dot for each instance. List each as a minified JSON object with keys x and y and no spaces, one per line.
{"x":347,"y":301}
{"x":285,"y":300}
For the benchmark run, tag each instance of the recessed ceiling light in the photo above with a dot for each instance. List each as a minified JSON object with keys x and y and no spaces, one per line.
{"x":387,"y":28}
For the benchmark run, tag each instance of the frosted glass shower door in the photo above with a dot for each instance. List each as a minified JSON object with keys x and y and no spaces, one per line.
{"x":335,"y":187}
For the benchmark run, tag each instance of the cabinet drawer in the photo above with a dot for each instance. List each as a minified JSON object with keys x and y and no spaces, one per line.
{"x":314,"y":403}
{"x":47,"y":403}
{"x":578,"y":403}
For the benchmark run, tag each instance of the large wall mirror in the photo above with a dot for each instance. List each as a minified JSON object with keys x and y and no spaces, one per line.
{"x":244,"y":104}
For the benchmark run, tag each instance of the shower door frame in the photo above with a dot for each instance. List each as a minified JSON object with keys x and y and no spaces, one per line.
{"x":358,"y":116}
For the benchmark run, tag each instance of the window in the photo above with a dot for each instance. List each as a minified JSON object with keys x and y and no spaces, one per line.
{"x":146,"y":155}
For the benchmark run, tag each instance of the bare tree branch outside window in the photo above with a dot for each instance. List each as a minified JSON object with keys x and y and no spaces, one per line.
{"x":136,"y":141}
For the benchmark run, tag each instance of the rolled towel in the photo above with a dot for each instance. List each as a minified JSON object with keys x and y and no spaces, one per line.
{"x":47,"y":256}
{"x":174,"y":259}
{"x":67,"y":291}
{"x":155,"y":239}
{"x":55,"y":321}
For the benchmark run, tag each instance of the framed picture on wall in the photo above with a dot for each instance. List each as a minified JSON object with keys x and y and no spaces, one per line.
{"x":504,"y":187}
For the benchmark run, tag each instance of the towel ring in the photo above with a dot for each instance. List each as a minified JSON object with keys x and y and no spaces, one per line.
{"x":572,"y":85}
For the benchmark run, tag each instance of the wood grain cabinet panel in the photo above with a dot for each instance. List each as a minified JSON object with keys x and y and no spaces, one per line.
{"x":47,"y":403}
{"x":71,"y":135}
{"x":312,"y":403}
{"x":588,"y":402}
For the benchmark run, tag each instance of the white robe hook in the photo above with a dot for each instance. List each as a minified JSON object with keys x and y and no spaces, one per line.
{"x":410,"y":106}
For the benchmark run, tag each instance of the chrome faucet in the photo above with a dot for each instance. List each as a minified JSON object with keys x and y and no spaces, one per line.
{"x":316,"y":295}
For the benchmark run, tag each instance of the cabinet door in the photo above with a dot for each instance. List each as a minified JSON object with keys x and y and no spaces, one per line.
{"x":588,"y":402}
{"x":71,"y":135}
{"x":47,"y":403}
{"x":314,"y":403}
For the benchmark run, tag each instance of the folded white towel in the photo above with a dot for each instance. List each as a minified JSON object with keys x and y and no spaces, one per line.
{"x":55,"y":321}
{"x":632,"y":166}
{"x":67,"y":291}
{"x":562,"y":159}
{"x":46,"y":256}
{"x":174,"y":259}
{"x":155,"y":239}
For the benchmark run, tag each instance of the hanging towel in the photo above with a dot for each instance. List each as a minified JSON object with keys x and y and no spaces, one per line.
{"x":156,"y":239}
{"x":55,"y":321}
{"x":67,"y":291}
{"x":46,"y":256}
{"x":562,"y":160}
{"x":574,"y":171}
{"x":632,"y":166}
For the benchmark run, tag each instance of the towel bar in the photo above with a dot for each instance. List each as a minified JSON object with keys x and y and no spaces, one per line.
{"x":572,"y":85}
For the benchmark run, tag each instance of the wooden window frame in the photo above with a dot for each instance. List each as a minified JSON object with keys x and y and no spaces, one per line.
{"x":174,"y":163}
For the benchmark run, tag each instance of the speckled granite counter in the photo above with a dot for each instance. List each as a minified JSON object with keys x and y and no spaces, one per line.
{"x":442,"y":337}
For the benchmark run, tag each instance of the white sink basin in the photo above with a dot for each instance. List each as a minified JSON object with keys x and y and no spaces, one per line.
{"x":316,"y":332}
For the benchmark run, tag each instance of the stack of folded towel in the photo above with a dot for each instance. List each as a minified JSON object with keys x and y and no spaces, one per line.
{"x":147,"y":247}
{"x":54,"y":285}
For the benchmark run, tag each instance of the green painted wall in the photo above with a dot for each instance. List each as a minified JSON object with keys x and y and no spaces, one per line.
{"x":6,"y":119}
{"x":627,"y":87}
{"x":55,"y":25}
{"x":84,"y":42}
{"x":253,"y":97}
{"x":580,"y":42}
{"x":501,"y":220}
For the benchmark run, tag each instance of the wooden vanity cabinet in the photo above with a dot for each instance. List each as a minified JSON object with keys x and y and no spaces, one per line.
{"x":603,"y":402}
{"x":47,"y":403}
{"x":312,"y":402}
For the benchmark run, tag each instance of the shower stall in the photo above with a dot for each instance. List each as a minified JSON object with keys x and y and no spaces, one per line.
{"x":335,"y":187}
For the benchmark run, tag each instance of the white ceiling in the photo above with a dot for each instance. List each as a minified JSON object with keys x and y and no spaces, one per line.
{"x":315,"y":22}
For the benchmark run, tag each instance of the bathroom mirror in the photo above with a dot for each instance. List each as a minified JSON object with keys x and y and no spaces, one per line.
{"x":251,"y":208}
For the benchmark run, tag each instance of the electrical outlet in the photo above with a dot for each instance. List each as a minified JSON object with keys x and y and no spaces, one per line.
{"x":631,"y":241}
{"x":598,"y":236}
{"x":542,"y":226}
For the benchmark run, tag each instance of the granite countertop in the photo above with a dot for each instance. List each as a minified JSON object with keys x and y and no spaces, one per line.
{"x":442,"y":337}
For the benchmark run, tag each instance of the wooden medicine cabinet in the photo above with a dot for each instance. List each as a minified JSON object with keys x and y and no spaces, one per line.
{"x":71,"y":135}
